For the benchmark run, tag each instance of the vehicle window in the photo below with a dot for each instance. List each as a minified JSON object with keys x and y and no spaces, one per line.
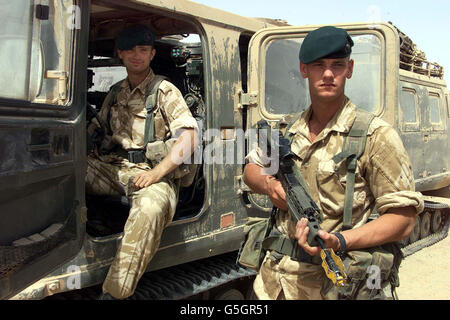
{"x":15,"y":48}
{"x":434,"y":108}
{"x":178,"y":57}
{"x":408,"y":105}
{"x":36,"y":41}
{"x":287,"y":92}
{"x":105,"y":77}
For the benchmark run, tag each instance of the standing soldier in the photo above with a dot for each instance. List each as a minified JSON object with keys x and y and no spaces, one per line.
{"x":383,"y":181}
{"x":121,"y":167}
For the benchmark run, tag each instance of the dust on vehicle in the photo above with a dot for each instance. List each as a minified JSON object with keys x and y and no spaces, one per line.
{"x":58,"y":61}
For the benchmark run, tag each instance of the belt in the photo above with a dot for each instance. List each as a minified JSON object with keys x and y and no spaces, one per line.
{"x":289,"y":247}
{"x":134,"y":156}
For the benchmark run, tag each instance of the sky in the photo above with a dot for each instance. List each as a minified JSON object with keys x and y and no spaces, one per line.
{"x":425,"y":22}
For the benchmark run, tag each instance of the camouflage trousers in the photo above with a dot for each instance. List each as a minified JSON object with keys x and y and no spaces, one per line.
{"x":286,"y":279}
{"x":152,"y":209}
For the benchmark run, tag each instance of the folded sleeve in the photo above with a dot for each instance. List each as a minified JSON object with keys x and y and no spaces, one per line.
{"x":178,"y":114}
{"x":256,"y":156}
{"x":390,"y":172}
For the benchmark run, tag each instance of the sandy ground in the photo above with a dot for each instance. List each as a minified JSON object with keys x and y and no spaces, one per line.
{"x":423,"y":275}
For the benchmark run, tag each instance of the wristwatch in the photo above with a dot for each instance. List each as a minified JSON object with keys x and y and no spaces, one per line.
{"x":342,"y":243}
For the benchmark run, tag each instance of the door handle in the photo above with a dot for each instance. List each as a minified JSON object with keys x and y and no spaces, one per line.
{"x":39,"y":147}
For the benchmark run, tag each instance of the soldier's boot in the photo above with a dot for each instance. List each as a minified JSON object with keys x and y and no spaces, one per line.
{"x":106,"y":296}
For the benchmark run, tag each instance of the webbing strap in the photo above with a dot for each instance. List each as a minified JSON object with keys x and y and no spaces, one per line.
{"x":280,"y":243}
{"x":349,"y":191}
{"x":150,"y":103}
{"x":353,"y":148}
{"x":289,"y":247}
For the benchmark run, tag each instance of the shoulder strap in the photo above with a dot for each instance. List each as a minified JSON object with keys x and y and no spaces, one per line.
{"x":353,"y":148}
{"x":150,"y":103}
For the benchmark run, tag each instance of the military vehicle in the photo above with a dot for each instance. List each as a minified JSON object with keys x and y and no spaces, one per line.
{"x":57,"y":61}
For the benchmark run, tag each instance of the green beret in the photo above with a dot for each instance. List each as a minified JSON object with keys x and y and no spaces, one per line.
{"x":135,"y":35}
{"x":326,"y":42}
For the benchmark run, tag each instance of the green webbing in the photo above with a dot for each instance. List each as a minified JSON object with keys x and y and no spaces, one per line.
{"x":353,"y":148}
{"x":149,"y":135}
{"x":150,"y":103}
{"x":349,"y":191}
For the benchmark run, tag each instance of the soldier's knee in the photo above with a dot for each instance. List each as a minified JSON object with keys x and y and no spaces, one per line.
{"x":150,"y":208}
{"x":157,"y":202}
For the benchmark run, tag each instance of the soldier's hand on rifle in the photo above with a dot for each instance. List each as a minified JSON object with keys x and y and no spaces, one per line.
{"x":301,"y":234}
{"x":276,"y":193}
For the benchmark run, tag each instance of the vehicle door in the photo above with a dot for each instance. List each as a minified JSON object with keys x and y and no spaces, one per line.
{"x":435,"y":134}
{"x":276,"y":88}
{"x":42,"y":137}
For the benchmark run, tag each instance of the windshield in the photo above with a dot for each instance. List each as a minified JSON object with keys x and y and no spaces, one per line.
{"x":287,"y":92}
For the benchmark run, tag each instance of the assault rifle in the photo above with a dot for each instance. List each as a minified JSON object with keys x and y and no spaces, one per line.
{"x":299,"y":202}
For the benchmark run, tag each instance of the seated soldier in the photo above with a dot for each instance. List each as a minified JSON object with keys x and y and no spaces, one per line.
{"x":120,"y":166}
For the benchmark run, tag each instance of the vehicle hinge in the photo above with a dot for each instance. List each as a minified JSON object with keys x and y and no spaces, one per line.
{"x":247,"y":99}
{"x":61,"y":77}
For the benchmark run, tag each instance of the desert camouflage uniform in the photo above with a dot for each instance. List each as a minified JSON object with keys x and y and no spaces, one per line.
{"x":152,"y":208}
{"x":383,"y":179}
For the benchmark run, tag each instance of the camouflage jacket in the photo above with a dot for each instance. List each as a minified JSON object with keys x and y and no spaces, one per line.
{"x":127,"y":116}
{"x":384,"y":177}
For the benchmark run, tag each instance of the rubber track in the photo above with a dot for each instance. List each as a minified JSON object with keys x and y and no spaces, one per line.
{"x":431,"y":239}
{"x":183,"y":281}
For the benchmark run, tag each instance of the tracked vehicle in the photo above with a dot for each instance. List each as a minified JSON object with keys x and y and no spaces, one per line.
{"x":57,"y":62}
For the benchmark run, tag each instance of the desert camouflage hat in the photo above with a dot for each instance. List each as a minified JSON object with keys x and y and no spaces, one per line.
{"x":326,"y":42}
{"x":134,"y":35}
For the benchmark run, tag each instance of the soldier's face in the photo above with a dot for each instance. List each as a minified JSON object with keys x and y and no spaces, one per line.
{"x":327,"y":77}
{"x":137,"y":59}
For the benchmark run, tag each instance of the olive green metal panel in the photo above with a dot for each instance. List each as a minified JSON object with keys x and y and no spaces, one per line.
{"x":423,"y":126}
{"x":42,"y":168}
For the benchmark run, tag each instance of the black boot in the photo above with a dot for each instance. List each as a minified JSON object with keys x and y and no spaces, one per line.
{"x":106,"y":296}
